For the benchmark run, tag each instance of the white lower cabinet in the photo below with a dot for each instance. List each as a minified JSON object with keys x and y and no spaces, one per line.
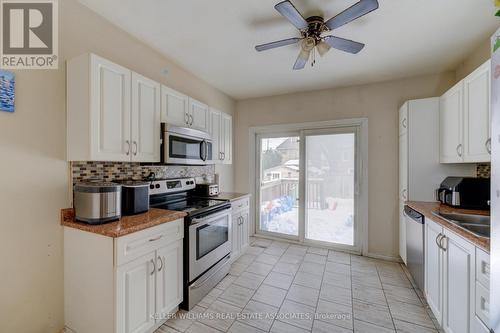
{"x":240,"y":231}
{"x":458,"y":283}
{"x":451,"y":281}
{"x":135,"y":295}
{"x":127,"y":284}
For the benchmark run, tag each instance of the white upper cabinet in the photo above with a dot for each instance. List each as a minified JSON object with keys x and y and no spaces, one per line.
{"x":451,"y":125}
{"x":221,"y":130}
{"x":477,"y":116}
{"x":465,"y":119}
{"x":174,"y":107}
{"x":198,"y":115}
{"x":109,"y":117}
{"x":215,"y":124}
{"x":227,"y":139}
{"x":145,"y":119}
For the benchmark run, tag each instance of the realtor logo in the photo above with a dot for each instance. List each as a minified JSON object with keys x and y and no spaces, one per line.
{"x":28,"y":34}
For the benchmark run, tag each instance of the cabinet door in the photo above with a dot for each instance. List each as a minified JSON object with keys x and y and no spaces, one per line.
{"x":227,"y":139}
{"x":477,"y":127}
{"x":145,"y":119}
{"x":433,"y":269}
{"x":198,"y":115}
{"x":403,"y":192}
{"x":451,"y":120}
{"x":235,"y":234}
{"x":215,"y":132}
{"x":403,"y":119}
{"x":110,"y":111}
{"x":244,"y":234}
{"x":458,"y":284}
{"x":135,"y":295}
{"x":174,"y":107}
{"x":169,"y":292}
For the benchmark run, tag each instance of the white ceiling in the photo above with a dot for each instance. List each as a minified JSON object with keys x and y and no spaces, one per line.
{"x":215,"y":40}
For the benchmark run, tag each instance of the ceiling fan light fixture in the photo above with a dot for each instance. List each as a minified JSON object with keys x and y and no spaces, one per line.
{"x":323,"y":48}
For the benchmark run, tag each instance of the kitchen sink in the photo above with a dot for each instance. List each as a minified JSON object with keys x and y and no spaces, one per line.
{"x":479,"y":225}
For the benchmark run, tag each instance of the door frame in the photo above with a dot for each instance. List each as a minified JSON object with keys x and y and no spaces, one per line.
{"x":361,"y":183}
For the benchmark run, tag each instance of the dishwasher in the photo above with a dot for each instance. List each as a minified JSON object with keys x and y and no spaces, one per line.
{"x":415,"y":231}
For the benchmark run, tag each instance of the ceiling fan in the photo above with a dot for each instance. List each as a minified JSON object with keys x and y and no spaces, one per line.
{"x":315,"y":32}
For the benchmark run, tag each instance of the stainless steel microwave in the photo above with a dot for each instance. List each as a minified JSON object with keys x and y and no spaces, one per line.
{"x":186,"y":146}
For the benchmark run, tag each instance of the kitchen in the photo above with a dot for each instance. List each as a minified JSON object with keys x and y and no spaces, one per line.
{"x":335,"y":252}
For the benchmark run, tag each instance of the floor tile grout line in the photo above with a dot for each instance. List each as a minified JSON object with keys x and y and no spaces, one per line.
{"x":385,"y":296}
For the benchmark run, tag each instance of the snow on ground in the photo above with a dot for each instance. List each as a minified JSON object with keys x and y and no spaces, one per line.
{"x":328,"y":225}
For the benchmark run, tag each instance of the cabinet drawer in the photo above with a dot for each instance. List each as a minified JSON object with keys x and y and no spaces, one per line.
{"x":483,"y":268}
{"x":137,"y":244}
{"x":482,"y":303}
{"x":240,"y":204}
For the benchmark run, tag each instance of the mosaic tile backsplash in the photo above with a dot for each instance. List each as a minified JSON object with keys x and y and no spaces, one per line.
{"x":483,"y":170}
{"x":113,"y":171}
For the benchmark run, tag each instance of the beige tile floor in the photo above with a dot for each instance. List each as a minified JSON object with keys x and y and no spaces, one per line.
{"x":281,"y":287}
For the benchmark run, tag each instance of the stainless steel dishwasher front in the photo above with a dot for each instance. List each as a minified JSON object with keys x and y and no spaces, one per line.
{"x":415,"y":256}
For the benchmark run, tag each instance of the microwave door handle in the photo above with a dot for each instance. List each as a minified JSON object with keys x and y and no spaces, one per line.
{"x":203,"y":150}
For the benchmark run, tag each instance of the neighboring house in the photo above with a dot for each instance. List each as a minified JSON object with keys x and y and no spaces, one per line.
{"x":288,"y":170}
{"x":289,"y":149}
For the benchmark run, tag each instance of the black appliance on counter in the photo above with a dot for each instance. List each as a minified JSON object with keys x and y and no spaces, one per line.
{"x":207,"y":190}
{"x":207,"y":235}
{"x":135,"y":197}
{"x":465,"y":192}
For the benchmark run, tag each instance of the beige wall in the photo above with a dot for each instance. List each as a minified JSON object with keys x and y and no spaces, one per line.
{"x":377,"y":102}
{"x":33,"y":171}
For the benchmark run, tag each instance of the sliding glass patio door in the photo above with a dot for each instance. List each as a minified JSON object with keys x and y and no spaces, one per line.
{"x":330,"y":178}
{"x":307,"y":186}
{"x":279,"y":172}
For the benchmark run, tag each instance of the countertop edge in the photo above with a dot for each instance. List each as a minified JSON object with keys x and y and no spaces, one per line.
{"x":125,"y":226}
{"x":426,"y":209}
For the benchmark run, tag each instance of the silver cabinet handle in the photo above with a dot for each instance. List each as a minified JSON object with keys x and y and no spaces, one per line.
{"x":459,"y":150}
{"x":134,"y":144}
{"x":161,"y":262}
{"x":403,"y":194}
{"x":155,"y":239}
{"x":441,"y":242}
{"x":128,"y":147}
{"x":190,"y":120}
{"x":488,"y":146}
{"x":404,"y":123}
{"x":186,"y":118}
{"x":438,"y":241}
{"x":223,"y":156}
{"x":154,"y":267}
{"x":485,"y":268}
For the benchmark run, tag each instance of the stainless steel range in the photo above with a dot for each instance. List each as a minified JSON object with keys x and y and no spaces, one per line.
{"x":207,"y":235}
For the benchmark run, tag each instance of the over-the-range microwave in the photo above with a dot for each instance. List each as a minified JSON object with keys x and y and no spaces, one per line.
{"x":185,"y":146}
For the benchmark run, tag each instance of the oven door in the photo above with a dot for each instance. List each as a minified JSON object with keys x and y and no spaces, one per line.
{"x":209,"y":242}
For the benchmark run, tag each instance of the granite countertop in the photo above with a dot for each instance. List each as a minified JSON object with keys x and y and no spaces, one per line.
{"x":232,"y":196}
{"x":126,"y":225}
{"x":426,"y":209}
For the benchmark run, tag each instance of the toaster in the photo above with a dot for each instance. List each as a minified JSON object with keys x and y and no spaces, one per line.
{"x":465,"y":192}
{"x":207,"y":190}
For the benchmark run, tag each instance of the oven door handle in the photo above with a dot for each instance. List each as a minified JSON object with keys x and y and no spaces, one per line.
{"x":209,"y":218}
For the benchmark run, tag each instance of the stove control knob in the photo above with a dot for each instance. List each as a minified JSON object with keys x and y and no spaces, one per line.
{"x":152,"y":187}
{"x":157,"y":185}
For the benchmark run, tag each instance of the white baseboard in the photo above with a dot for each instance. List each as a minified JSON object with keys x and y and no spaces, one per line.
{"x":384,"y":257}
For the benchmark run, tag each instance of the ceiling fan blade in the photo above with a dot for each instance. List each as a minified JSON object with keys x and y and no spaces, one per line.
{"x":357,"y":10}
{"x":302,"y":59}
{"x":345,"y":45}
{"x":288,"y":10}
{"x":272,"y":45}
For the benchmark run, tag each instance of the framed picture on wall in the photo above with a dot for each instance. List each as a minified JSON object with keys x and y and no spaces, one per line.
{"x":7,"y":81}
